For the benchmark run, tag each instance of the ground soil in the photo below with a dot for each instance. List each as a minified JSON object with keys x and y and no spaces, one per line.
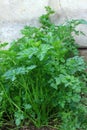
{"x":31,"y":127}
{"x":34,"y":128}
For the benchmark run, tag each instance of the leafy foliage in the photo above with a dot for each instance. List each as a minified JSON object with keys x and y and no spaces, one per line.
{"x":43,"y":77}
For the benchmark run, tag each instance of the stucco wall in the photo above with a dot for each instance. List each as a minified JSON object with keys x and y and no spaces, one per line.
{"x":14,"y":14}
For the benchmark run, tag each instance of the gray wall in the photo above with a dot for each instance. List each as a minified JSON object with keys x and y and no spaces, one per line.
{"x":15,"y":14}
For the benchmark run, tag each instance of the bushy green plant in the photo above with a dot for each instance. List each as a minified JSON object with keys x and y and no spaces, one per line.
{"x":42,"y":77}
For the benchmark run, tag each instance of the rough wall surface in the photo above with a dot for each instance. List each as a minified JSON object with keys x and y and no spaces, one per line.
{"x":83,"y":52}
{"x":14,"y":14}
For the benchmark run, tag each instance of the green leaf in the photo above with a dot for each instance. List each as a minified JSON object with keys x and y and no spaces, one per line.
{"x":76,"y":98}
{"x":82,"y":21}
{"x":11,"y":74}
{"x":28,"y":53}
{"x":18,"y":117}
{"x":43,"y":51}
{"x":27,"y":106}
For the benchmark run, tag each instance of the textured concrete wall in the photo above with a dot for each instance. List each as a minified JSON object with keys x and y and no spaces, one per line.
{"x":14,"y":14}
{"x":71,"y":9}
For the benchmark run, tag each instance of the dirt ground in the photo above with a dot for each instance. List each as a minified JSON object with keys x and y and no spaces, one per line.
{"x":33,"y":128}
